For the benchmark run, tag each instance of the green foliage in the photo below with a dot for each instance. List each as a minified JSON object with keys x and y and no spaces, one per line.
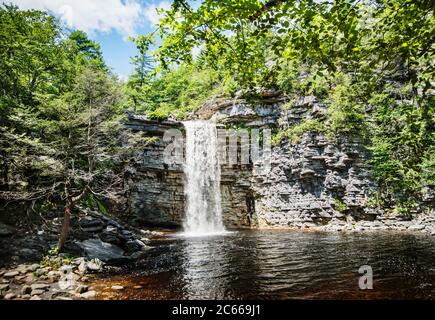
{"x":346,"y":115}
{"x":402,"y":151}
{"x":176,"y":92}
{"x":298,"y":78}
{"x":88,"y":52}
{"x":295,"y":132}
{"x":55,"y":262}
{"x":58,"y":107}
{"x":339,"y":205}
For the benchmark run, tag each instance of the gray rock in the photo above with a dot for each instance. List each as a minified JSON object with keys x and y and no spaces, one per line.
{"x":134,"y":245}
{"x":11,"y":274}
{"x":10,"y":296}
{"x":103,"y":251}
{"x":95,"y":265}
{"x":40,"y":286}
{"x":416,"y":227}
{"x":4,"y":287}
{"x":35,"y":298}
{"x":33,"y":267}
{"x":6,"y":230}
{"x":83,"y":267}
{"x":78,"y":261}
{"x":37,"y":292}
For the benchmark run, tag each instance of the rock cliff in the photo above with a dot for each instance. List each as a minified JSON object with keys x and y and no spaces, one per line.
{"x":314,"y":183}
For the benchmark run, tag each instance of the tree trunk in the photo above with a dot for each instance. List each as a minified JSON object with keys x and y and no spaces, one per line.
{"x":70,"y":204}
{"x":65,"y":227}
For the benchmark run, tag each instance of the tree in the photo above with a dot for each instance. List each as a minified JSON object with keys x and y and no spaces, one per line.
{"x":59,"y":125}
{"x":88,"y":51}
{"x":143,"y":69}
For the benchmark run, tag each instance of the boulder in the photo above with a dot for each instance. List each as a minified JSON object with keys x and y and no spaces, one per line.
{"x":6,"y":230}
{"x":88,"y":295}
{"x":95,"y":248}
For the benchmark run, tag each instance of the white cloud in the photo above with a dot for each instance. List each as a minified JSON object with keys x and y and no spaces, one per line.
{"x":92,"y":15}
{"x":151,"y":13}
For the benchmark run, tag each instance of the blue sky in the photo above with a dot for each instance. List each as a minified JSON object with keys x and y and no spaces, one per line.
{"x":109,"y":22}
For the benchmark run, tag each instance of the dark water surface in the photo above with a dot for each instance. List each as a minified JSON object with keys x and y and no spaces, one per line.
{"x":281,"y":265}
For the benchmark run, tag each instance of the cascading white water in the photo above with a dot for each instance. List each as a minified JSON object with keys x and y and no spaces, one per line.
{"x":202,"y":187}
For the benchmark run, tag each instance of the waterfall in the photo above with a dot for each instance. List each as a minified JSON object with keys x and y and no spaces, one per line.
{"x":203,"y":175}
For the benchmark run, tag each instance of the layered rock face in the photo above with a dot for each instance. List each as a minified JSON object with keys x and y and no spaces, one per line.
{"x":309,"y":184}
{"x":155,"y":189}
{"x":313,"y":182}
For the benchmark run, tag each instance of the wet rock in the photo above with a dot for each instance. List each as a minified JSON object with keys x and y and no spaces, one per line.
{"x":110,"y":235}
{"x":134,"y":245}
{"x":6,"y":230}
{"x":95,"y":248}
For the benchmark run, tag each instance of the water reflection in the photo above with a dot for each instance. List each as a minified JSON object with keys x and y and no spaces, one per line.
{"x":205,"y":269}
{"x":284,"y":265}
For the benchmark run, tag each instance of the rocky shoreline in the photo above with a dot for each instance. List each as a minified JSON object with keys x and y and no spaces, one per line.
{"x":31,"y":270}
{"x":422,"y":224}
{"x":53,"y":279}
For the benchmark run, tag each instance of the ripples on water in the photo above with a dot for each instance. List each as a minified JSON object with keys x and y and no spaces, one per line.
{"x":285,"y":265}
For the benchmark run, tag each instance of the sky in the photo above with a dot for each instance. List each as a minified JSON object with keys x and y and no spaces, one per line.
{"x":109,"y":22}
